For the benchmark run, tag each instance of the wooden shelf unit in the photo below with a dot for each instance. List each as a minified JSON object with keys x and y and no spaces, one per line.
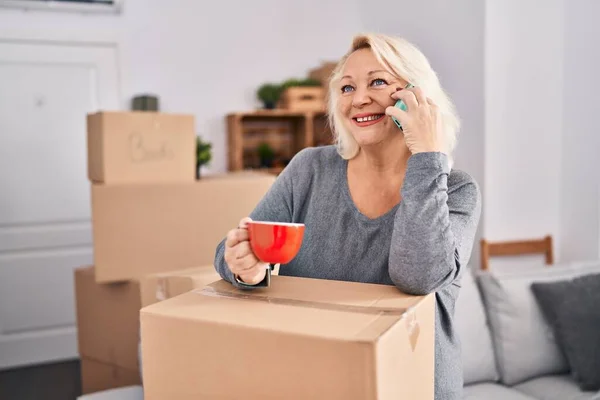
{"x":287,"y":131}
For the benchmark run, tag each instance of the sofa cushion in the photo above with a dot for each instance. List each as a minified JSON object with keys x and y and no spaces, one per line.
{"x":555,"y":387}
{"x":572,"y":309}
{"x":479,"y":364}
{"x":524,"y":343}
{"x":492,"y":391}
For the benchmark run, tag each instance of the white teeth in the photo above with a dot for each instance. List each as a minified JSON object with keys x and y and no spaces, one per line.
{"x":369,"y":118}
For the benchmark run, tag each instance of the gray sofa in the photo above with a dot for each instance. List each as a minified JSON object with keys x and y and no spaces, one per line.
{"x":509,"y":352}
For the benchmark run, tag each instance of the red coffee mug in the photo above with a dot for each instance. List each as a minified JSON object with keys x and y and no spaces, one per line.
{"x":275,"y":242}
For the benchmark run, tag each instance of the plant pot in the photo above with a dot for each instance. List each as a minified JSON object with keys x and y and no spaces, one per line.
{"x":269,"y":105}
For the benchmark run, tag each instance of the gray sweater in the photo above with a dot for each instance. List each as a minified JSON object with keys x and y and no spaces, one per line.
{"x":422,"y":245}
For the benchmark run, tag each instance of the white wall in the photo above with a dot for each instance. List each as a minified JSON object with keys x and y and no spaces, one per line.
{"x":524,"y":119}
{"x":505,"y":64}
{"x":580,"y":219}
{"x":524,"y":78}
{"x":209,"y":60}
{"x":450,"y":34}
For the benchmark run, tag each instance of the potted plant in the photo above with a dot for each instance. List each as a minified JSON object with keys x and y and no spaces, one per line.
{"x":269,"y":94}
{"x":266,"y":154}
{"x":308,"y":82}
{"x":203,"y":154}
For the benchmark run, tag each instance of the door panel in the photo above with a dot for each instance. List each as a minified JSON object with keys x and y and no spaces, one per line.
{"x":43,"y":108}
{"x":44,"y":235}
{"x":36,"y":289}
{"x":45,"y":231}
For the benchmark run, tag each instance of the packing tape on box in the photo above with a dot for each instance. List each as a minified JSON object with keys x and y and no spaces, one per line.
{"x":210,"y":291}
{"x":161,"y":289}
{"x":412,"y":327}
{"x":409,"y":315}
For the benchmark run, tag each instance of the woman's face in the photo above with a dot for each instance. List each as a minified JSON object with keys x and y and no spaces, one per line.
{"x":365,"y":90}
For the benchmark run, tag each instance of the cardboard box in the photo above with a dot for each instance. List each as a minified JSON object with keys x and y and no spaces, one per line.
{"x":135,"y":147}
{"x":108,"y":314}
{"x":321,"y":339}
{"x":97,"y":376}
{"x":144,"y":229}
{"x":107,"y":320}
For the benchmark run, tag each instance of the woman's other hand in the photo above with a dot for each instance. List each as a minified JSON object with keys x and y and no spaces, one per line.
{"x":421,"y":123}
{"x":239,"y":256}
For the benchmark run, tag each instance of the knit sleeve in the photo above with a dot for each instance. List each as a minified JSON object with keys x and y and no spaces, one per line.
{"x":434,"y":228}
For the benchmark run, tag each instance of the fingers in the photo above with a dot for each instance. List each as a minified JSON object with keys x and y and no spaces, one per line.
{"x":239,"y":234}
{"x":432,"y":104}
{"x":236,"y":236}
{"x":434,"y":110}
{"x":413,"y":97}
{"x":238,"y":251}
{"x":239,"y":255}
{"x":410,"y":94}
{"x":245,"y":264}
{"x":248,"y":265}
{"x":407,"y":96}
{"x":244,"y":222}
{"x":240,"y":259}
{"x":254,"y":276}
{"x":242,"y":249}
{"x":396,"y":112}
{"x":419,"y":95}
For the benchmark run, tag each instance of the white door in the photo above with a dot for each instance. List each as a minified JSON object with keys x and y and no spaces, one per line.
{"x":46,"y":90}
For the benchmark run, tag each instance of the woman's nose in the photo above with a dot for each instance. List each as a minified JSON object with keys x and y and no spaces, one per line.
{"x":361,"y":98}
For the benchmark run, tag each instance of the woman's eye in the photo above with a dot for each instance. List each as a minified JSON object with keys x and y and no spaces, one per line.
{"x":378,"y":82}
{"x":346,"y":88}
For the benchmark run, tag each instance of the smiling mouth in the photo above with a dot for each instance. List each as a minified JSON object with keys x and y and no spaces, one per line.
{"x":373,"y":117}
{"x":367,"y":120}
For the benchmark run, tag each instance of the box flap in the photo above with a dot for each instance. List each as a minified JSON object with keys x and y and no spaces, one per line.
{"x":164,"y":285}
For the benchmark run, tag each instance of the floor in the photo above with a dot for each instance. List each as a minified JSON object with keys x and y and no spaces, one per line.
{"x":58,"y":381}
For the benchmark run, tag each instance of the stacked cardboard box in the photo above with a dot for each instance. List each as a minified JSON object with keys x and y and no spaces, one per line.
{"x":108,"y":321}
{"x":152,"y":222}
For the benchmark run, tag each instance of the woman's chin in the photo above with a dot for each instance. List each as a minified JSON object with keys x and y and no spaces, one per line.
{"x":371,"y":137}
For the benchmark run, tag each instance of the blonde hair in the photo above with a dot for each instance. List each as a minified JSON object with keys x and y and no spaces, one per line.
{"x":404,"y":60}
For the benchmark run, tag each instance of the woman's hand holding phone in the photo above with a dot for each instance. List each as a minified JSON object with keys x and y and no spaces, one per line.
{"x":420,"y":120}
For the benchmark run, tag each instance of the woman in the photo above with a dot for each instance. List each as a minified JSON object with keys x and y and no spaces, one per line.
{"x":383,"y":205}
